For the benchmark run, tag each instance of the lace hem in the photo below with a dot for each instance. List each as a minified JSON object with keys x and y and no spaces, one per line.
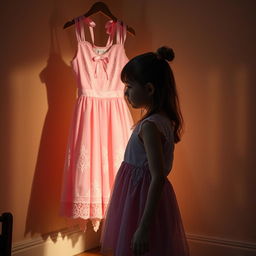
{"x":83,"y":210}
{"x":94,"y":212}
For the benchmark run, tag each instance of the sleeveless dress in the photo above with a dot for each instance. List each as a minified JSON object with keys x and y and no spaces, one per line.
{"x":128,"y":198}
{"x":100,"y":128}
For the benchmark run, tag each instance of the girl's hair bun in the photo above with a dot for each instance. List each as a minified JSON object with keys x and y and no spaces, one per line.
{"x":165,"y":53}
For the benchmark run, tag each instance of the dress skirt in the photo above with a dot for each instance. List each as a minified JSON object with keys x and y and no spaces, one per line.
{"x":125,"y":209}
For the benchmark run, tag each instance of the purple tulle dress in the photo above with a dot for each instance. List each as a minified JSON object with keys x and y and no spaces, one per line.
{"x":128,"y":198}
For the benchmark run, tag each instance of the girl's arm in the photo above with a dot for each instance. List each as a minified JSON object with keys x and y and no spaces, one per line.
{"x":152,"y":142}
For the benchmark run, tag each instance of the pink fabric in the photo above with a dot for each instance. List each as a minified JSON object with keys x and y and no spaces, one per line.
{"x":128,"y":199}
{"x":101,"y":125}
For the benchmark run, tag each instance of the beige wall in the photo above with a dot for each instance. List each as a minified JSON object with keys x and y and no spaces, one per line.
{"x":214,"y":168}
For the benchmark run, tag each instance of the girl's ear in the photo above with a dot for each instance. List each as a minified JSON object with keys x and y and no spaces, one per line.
{"x":150,"y":88}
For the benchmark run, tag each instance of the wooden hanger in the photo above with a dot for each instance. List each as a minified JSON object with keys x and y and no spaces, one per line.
{"x":99,"y":7}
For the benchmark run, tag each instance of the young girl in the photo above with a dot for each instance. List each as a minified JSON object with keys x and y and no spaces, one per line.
{"x":143,"y":216}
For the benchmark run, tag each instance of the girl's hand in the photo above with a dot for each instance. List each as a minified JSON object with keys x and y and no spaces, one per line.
{"x":140,"y":242}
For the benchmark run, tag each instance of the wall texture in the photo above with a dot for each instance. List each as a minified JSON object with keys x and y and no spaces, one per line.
{"x":214,"y":168}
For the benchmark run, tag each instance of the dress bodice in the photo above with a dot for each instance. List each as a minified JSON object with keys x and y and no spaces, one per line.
{"x":98,"y":68}
{"x":135,"y":151}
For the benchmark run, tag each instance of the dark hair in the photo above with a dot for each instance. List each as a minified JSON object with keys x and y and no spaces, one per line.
{"x":153,"y":67}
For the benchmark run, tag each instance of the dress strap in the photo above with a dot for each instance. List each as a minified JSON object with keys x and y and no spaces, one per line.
{"x":79,"y":28}
{"x":91,"y":25}
{"x":110,"y":30}
{"x":121,"y":30}
{"x":118,"y":28}
{"x":79,"y":23}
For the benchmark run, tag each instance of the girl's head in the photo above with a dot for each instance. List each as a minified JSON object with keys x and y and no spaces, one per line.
{"x":150,"y":84}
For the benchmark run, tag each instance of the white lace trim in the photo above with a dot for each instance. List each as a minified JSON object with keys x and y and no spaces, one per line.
{"x":88,"y":210}
{"x":83,"y":160}
{"x":93,"y":211}
{"x":81,"y":207}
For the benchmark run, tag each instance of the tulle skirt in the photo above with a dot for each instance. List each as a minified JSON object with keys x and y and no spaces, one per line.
{"x":124,"y":212}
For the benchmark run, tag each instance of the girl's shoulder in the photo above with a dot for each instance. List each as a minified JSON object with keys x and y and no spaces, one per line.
{"x":158,"y":119}
{"x":162,"y":122}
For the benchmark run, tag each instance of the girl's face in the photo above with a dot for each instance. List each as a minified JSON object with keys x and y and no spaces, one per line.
{"x":137,"y":95}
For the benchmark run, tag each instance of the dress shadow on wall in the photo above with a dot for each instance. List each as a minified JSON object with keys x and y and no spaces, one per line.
{"x":43,"y":212}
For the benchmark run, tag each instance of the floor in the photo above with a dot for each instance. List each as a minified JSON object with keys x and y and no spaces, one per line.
{"x":93,"y":252}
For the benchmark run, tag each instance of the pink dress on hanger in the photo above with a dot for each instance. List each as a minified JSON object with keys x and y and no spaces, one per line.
{"x":101,"y":124}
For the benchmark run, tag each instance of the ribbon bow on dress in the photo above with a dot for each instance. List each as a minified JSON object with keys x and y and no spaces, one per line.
{"x":110,"y":29}
{"x":90,"y":22}
{"x":103,"y":60}
{"x":110,"y":26}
